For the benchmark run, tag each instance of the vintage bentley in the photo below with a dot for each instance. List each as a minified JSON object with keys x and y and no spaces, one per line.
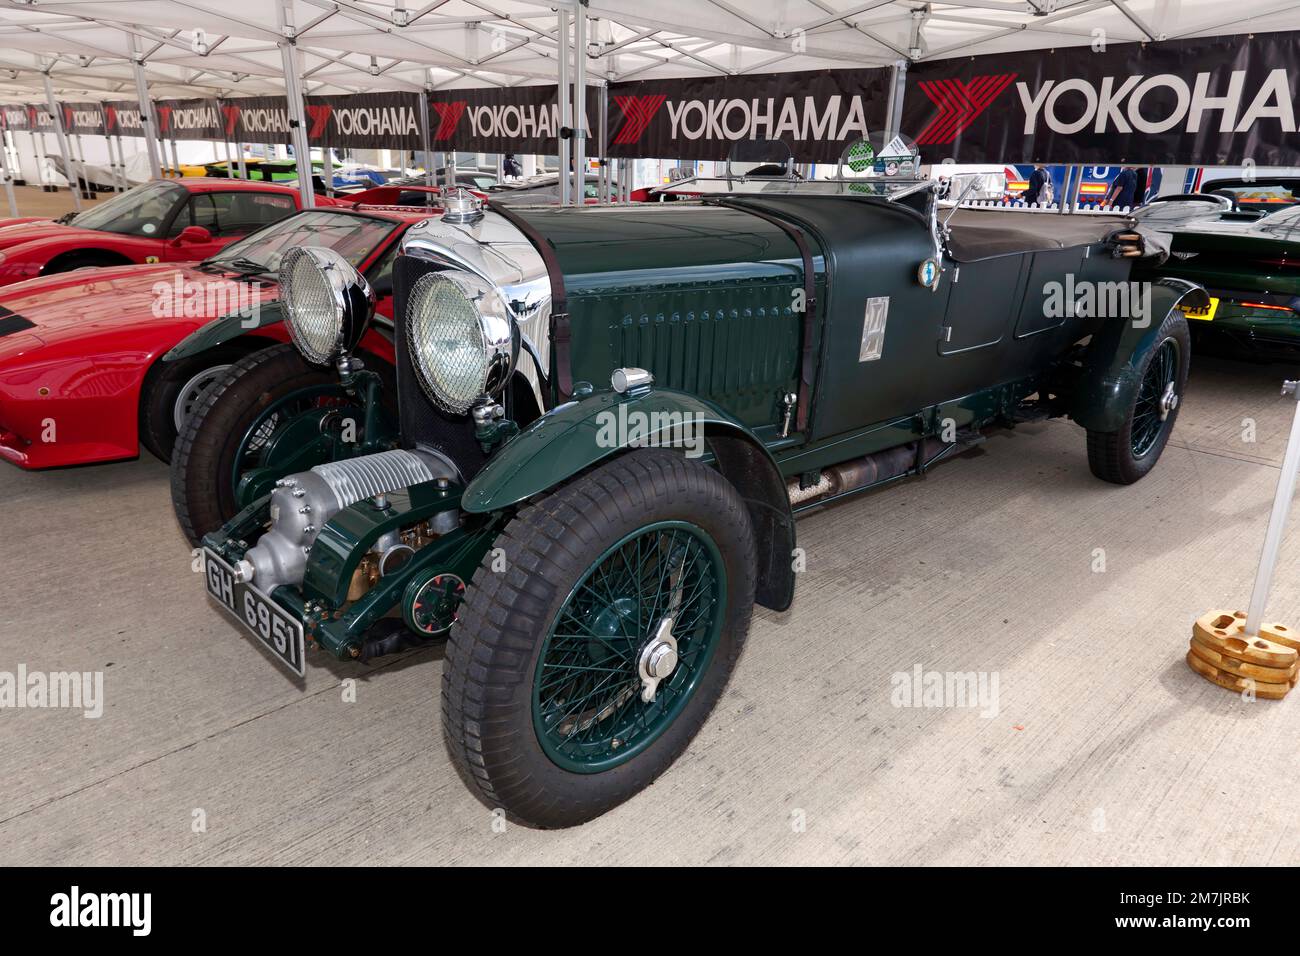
{"x":608,"y":420}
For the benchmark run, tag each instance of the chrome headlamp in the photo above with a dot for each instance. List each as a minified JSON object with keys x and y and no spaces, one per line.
{"x":462,"y":338}
{"x":327,"y":302}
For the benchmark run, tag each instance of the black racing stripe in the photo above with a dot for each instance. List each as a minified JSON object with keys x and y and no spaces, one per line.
{"x":12,"y":323}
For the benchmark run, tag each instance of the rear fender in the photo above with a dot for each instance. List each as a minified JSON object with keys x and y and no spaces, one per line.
{"x":1112,"y":365}
{"x":580,"y":434}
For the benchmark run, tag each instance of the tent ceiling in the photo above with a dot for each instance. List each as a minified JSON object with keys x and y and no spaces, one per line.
{"x":228,"y":47}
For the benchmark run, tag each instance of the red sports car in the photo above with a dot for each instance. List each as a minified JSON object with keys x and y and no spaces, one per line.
{"x":80,"y":376}
{"x":174,"y":220}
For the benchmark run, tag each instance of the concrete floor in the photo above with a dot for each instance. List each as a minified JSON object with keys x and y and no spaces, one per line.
{"x":33,"y":202}
{"x":1106,"y":748}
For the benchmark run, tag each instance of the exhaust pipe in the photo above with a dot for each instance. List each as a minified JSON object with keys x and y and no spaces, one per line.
{"x":858,"y":473}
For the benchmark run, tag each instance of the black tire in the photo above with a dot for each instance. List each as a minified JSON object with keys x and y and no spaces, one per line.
{"x":1111,"y":455}
{"x":495,"y":644}
{"x":162,"y":392}
{"x":203,"y":458}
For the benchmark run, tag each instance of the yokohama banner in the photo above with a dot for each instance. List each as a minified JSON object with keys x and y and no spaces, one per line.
{"x":1204,"y":102}
{"x":40,"y":118}
{"x":83,"y":118}
{"x":189,"y":119}
{"x":365,"y":120}
{"x":15,"y":117}
{"x":517,"y":119}
{"x":817,"y":113}
{"x":256,"y":119}
{"x":123,"y":118}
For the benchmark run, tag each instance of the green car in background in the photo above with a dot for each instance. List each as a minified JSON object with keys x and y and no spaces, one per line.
{"x":263,"y":170}
{"x":1248,"y":259}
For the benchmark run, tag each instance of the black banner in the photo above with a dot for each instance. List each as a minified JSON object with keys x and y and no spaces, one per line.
{"x":14,"y":116}
{"x":817,"y":113}
{"x":123,"y":118}
{"x":517,"y":119}
{"x":83,"y":118}
{"x":365,"y":120}
{"x":1204,"y":102}
{"x":40,"y":118}
{"x":189,"y":119}
{"x":256,"y":119}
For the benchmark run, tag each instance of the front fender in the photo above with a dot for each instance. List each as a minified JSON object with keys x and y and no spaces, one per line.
{"x":578,"y":434}
{"x":223,"y":330}
{"x":1111,"y":369}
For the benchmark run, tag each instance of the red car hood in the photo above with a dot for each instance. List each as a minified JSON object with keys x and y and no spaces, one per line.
{"x":83,"y":302}
{"x":38,"y":229}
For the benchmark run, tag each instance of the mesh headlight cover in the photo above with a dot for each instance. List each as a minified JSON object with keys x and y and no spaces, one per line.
{"x":449,"y":347}
{"x":313,"y":309}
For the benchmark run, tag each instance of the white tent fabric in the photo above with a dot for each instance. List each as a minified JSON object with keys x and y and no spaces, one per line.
{"x":229,"y":48}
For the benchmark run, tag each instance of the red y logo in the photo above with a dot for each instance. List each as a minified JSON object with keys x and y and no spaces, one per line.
{"x":110,"y":118}
{"x":449,"y":115}
{"x":638,"y":111}
{"x":320,"y":115}
{"x":67,"y":118}
{"x":959,"y":104}
{"x":232,"y":117}
{"x":164,"y":118}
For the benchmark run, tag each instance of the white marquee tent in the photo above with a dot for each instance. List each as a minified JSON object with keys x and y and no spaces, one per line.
{"x":232,"y":47}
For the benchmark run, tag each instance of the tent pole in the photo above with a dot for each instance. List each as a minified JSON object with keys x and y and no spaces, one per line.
{"x":62,"y":137}
{"x":148,"y":120}
{"x":4,"y":174}
{"x":894,"y":108}
{"x":121,"y":165}
{"x":293,"y":93}
{"x":565,"y":145}
{"x":603,"y":142}
{"x":424,"y":135}
{"x":579,"y":103}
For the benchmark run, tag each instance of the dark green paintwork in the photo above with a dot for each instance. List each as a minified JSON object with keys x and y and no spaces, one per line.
{"x":569,"y":439}
{"x":1112,"y":366}
{"x":1241,"y":262}
{"x":223,"y":330}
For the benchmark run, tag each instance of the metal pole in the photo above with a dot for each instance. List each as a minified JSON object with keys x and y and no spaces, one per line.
{"x":1276,"y":520}
{"x":4,"y":174}
{"x":61,"y":135}
{"x":293,"y":93}
{"x":894,"y":109}
{"x":603,"y":143}
{"x":149,"y":122}
{"x":122,"y":184}
{"x":580,"y":103}
{"x":425,"y":136}
{"x":564,"y":149}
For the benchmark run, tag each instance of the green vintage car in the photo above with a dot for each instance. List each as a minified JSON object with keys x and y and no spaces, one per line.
{"x":1249,"y":262}
{"x":608,"y":420}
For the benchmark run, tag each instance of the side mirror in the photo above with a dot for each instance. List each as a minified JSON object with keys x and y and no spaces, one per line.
{"x":192,"y":234}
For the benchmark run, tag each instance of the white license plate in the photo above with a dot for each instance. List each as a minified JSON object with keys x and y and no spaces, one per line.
{"x":270,"y":623}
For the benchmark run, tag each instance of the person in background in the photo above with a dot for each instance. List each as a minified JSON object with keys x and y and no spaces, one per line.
{"x":1038,"y":179}
{"x":510,"y":166}
{"x":1123,"y":189}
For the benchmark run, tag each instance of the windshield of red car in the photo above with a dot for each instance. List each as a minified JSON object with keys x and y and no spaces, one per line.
{"x":352,"y":236}
{"x":142,"y":211}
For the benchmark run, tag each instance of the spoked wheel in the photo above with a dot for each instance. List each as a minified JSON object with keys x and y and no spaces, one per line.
{"x":578,"y":675}
{"x":1125,"y":455}
{"x":171,"y":391}
{"x":234,"y":424}
{"x":627,"y":649}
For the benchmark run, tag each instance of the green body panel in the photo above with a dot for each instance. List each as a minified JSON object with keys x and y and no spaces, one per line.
{"x":346,"y":537}
{"x":581,"y":433}
{"x":1111,"y":369}
{"x":705,"y":298}
{"x":1237,"y":263}
{"x":223,"y":330}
